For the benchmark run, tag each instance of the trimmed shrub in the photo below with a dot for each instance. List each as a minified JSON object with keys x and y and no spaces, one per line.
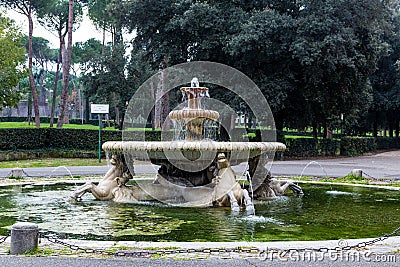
{"x":68,"y":139}
{"x":301,"y":147}
{"x":47,"y":120}
{"x":353,"y":146}
{"x":388,"y":142}
{"x":37,"y":154}
{"x":328,"y":147}
{"x":13,"y":139}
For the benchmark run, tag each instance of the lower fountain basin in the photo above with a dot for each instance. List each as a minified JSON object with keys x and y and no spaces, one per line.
{"x":325,"y":212}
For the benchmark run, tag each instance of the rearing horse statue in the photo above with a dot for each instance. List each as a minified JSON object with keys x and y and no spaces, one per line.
{"x":104,"y":190}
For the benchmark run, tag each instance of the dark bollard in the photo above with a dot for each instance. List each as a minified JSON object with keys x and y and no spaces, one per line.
{"x":24,"y":237}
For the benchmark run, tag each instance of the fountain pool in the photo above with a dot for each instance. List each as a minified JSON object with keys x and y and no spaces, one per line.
{"x":325,"y":212}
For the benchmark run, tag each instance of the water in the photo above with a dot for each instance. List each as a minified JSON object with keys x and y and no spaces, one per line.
{"x":61,"y":167}
{"x":343,"y":212}
{"x":314,"y":162}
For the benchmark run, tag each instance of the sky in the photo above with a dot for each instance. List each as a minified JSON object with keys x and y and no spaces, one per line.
{"x":85,"y":31}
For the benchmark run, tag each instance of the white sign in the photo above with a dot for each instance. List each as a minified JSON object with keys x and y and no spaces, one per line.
{"x":99,"y":108}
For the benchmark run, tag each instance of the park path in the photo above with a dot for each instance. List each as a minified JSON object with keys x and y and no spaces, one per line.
{"x":381,"y":165}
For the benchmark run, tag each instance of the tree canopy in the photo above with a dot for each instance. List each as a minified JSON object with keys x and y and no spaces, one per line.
{"x":12,"y":60}
{"x":319,"y":63}
{"x":312,"y":59}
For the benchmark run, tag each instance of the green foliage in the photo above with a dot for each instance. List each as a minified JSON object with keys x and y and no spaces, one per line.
{"x":47,"y":158}
{"x":311,"y":59}
{"x":85,"y":52}
{"x":328,"y":147}
{"x":42,"y":53}
{"x":68,"y":139}
{"x":353,"y":146}
{"x":53,"y":15}
{"x":388,"y":142}
{"x":301,"y":147}
{"x":11,"y":63}
{"x":99,"y":14}
{"x":45,"y":120}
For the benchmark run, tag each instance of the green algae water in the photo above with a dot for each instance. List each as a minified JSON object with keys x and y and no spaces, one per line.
{"x":324,"y":212}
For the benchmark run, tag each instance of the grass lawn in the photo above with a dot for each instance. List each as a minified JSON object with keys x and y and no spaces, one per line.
{"x":351,"y":179}
{"x":8,"y":125}
{"x":51,"y":162}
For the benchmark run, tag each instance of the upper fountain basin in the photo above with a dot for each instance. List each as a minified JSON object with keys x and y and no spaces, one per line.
{"x":193,"y":114}
{"x":156,"y":149}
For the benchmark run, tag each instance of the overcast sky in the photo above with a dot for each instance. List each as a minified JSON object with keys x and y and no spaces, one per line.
{"x":85,"y":31}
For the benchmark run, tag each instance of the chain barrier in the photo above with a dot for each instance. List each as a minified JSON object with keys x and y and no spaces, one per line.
{"x":23,"y":171}
{"x":370,"y":176}
{"x":3,"y":239}
{"x":342,"y":246}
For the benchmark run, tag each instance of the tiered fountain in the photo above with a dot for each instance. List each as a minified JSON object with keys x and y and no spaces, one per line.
{"x":194,"y":170}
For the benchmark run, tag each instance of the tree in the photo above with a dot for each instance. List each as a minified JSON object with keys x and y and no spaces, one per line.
{"x":98,"y":13}
{"x":312,"y":59}
{"x":384,"y":112}
{"x":55,"y":19}
{"x":11,"y":63}
{"x":66,"y":67}
{"x":27,"y":8}
{"x":337,"y":49}
{"x":261,"y":49}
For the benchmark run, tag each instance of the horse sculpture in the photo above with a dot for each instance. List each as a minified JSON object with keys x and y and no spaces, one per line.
{"x":223,"y":190}
{"x":111,"y":180}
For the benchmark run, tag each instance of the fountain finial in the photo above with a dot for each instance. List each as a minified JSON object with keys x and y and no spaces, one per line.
{"x":195,"y":82}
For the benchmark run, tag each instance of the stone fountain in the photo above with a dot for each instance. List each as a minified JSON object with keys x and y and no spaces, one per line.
{"x":194,"y":170}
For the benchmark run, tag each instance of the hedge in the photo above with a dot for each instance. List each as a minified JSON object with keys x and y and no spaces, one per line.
{"x":352,"y":146}
{"x":38,"y":154}
{"x":46,"y":120}
{"x":82,"y":139}
{"x":328,"y":147}
{"x":388,"y":142}
{"x":301,"y":147}
{"x":71,"y":121}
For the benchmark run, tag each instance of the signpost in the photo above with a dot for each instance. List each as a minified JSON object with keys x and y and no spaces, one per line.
{"x":99,"y":109}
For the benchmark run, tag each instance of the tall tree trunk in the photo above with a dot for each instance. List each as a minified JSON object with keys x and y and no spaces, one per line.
{"x":29,"y":108}
{"x":165,"y":98}
{"x":30,"y":66}
{"x":153,"y":110}
{"x":66,"y":67}
{"x":116,"y":109}
{"x":104,"y":38}
{"x":375,"y":126}
{"x":87,"y":108}
{"x":314,"y":129}
{"x":53,"y":103}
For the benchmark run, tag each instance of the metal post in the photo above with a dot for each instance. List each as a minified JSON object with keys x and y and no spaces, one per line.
{"x":99,"y":150}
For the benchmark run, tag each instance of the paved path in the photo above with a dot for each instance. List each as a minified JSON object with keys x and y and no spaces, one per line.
{"x":382,"y":165}
{"x":273,"y":254}
{"x":13,"y":261}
